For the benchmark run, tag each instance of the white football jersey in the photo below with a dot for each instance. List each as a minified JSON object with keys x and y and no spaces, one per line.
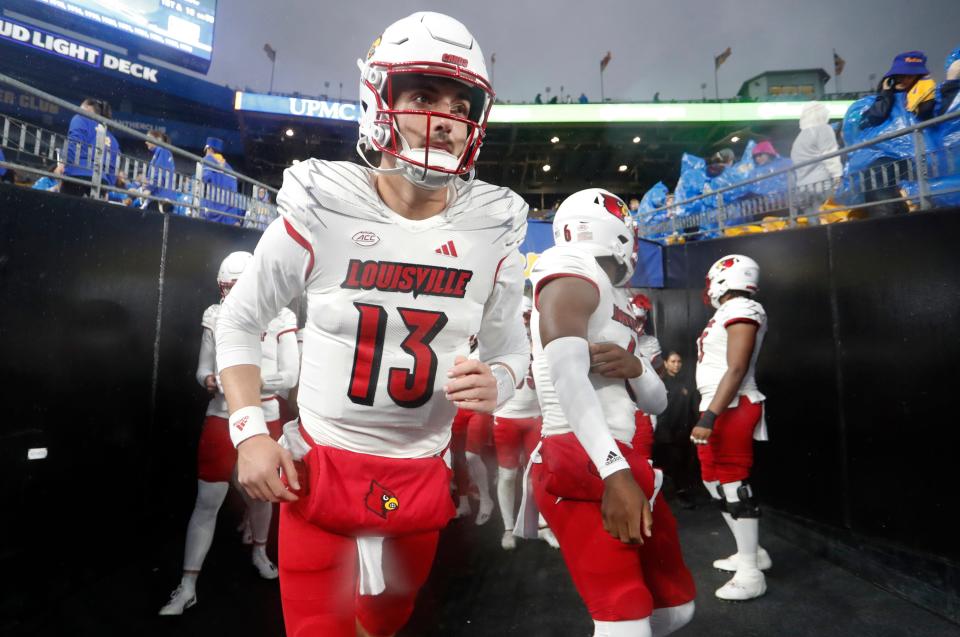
{"x":612,"y":322}
{"x":712,"y":350}
{"x":524,"y":403}
{"x":391,"y":302}
{"x":284,"y":323}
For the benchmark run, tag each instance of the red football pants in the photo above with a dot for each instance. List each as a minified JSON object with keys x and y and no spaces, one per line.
{"x":216,"y":455}
{"x":513,"y":435}
{"x":728,"y":454}
{"x":319,"y":580}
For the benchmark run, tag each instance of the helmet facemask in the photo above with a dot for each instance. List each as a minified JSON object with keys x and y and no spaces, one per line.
{"x":434,"y":164}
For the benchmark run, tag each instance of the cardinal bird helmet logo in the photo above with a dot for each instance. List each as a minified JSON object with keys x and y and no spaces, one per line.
{"x":381,"y":500}
{"x":615,"y":206}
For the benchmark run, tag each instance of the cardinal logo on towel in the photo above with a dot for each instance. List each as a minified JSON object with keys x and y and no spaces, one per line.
{"x":381,"y":500}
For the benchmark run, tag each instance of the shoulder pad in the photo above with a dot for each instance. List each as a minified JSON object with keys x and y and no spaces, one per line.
{"x":481,"y":205}
{"x":740,"y":307}
{"x":565,"y":260}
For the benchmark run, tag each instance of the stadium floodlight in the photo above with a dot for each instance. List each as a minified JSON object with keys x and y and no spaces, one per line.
{"x":289,"y":132}
{"x":609,"y":113}
{"x":546,"y":168}
{"x":564,"y":113}
{"x":734,"y":139}
{"x":623,"y":168}
{"x":554,"y":139}
{"x":636,"y":140}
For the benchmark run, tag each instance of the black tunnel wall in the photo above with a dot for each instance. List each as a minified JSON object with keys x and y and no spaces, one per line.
{"x":859,"y":368}
{"x":79,"y":297}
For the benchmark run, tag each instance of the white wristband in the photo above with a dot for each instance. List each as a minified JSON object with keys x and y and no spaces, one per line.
{"x":247,"y":422}
{"x":505,"y":386}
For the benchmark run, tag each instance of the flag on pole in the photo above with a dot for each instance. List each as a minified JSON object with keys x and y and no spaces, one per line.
{"x":838,"y":64}
{"x":605,"y":61}
{"x":270,"y":51}
{"x":720,"y":59}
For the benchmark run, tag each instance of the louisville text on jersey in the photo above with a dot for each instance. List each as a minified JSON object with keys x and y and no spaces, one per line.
{"x":390,"y":276}
{"x":625,"y":318}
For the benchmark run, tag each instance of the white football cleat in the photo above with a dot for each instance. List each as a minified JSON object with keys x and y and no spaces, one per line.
{"x":266,"y":568}
{"x":508,"y":541}
{"x":547,"y":536}
{"x":730,"y":563}
{"x":484,"y":512}
{"x":180,"y":600}
{"x":746,"y":584}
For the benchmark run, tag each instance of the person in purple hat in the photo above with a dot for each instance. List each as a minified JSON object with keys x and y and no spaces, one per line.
{"x":907,"y":69}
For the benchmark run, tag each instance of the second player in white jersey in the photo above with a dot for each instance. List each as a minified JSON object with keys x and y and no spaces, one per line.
{"x":612,"y":322}
{"x":279,"y":369}
{"x":732,"y":415}
{"x":712,"y":350}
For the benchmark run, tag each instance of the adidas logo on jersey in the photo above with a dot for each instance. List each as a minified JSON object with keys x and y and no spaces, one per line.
{"x":447,"y":249}
{"x":612,"y":457}
{"x":390,"y":276}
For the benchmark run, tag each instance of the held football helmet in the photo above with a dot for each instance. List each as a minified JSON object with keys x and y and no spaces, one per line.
{"x":732,"y":272}
{"x":424,"y":44}
{"x":641,"y":306}
{"x":599,"y":222}
{"x":230,"y":270}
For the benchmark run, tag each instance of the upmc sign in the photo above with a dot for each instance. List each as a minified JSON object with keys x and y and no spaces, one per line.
{"x":301,"y":107}
{"x":81,"y":52}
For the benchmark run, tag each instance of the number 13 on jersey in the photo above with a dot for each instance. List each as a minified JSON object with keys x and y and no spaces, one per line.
{"x":406,"y":387}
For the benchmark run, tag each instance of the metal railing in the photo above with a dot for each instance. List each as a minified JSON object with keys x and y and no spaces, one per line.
{"x":108,"y":173}
{"x":791,"y":204}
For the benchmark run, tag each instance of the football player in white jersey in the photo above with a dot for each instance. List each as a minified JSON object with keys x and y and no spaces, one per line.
{"x":401,"y":261}
{"x":516,"y":432}
{"x":216,"y":456}
{"x":731,"y":417}
{"x":592,"y":487}
{"x":649,"y":346}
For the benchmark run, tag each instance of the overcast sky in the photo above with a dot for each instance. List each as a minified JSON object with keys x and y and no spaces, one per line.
{"x":657,"y":45}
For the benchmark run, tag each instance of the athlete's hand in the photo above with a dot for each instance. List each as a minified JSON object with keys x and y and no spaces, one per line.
{"x":700,"y":435}
{"x":612,"y":361}
{"x":472,"y":385}
{"x":258,"y":459}
{"x":210,"y":383}
{"x":625,"y":508}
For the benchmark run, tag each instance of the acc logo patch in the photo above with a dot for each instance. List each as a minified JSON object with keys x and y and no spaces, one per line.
{"x":381,"y":500}
{"x":373,"y":47}
{"x":365,"y":238}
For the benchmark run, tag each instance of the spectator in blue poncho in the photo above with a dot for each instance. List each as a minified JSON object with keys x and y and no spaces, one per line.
{"x":81,"y":142}
{"x":160,"y":173}
{"x":3,"y":171}
{"x":219,"y":187}
{"x":887,"y":113}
